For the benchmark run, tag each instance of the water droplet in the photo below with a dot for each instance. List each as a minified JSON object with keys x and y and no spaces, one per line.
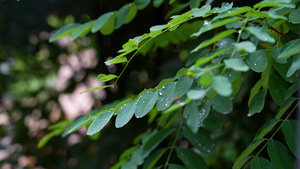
{"x":163,"y":87}
{"x":143,"y":101}
{"x":166,"y":104}
{"x":248,"y":115}
{"x":240,"y":31}
{"x":206,"y":23}
{"x":160,"y":93}
{"x":255,"y":64}
{"x":229,"y":75}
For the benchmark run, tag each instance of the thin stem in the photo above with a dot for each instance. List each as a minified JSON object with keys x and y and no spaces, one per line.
{"x":278,"y":32}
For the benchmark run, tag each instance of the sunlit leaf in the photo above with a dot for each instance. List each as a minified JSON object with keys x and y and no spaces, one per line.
{"x":206,"y":78}
{"x":157,"y":138}
{"x":225,"y":7}
{"x":257,"y":60}
{"x":278,"y":88}
{"x":294,"y":16}
{"x":196,"y":94}
{"x":105,"y":78}
{"x":280,"y":155}
{"x":178,"y":19}
{"x":64,"y":31}
{"x":156,"y":30}
{"x":295,"y":66}
{"x":266,"y":128}
{"x":263,"y":36}
{"x":116,"y":60}
{"x":272,"y":3}
{"x":258,"y":102}
{"x":101,"y":21}
{"x":109,"y":25}
{"x":199,"y":12}
{"x":125,"y":114}
{"x":236,"y":64}
{"x":140,"y":4}
{"x":246,"y":46}
{"x":145,"y":103}
{"x":96,"y":88}
{"x":214,"y":39}
{"x":222,"y":85}
{"x":261,"y":163}
{"x":289,"y":49}
{"x":121,"y":16}
{"x":200,"y":140}
{"x":191,"y":159}
{"x":131,"y":13}
{"x":183,"y":84}
{"x":222,"y":104}
{"x":99,"y":122}
{"x":166,"y":96}
{"x":82,"y":30}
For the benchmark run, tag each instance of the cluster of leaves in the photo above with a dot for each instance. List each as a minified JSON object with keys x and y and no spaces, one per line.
{"x":248,"y":39}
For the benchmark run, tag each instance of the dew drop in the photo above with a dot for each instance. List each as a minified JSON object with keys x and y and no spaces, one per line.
{"x":166,"y":104}
{"x":240,"y":31}
{"x":160,"y":93}
{"x":143,"y":101}
{"x":248,"y":115}
{"x":255,"y":64}
{"x":163,"y":87}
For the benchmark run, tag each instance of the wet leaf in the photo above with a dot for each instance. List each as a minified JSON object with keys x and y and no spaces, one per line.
{"x":257,"y":61}
{"x":165,"y":96}
{"x":184,"y":84}
{"x":99,"y":122}
{"x":145,"y":103}
{"x":258,"y":102}
{"x":236,"y":64}
{"x":125,"y":114}
{"x":196,"y":94}
{"x":222,"y":104}
{"x":263,"y":36}
{"x":202,"y":11}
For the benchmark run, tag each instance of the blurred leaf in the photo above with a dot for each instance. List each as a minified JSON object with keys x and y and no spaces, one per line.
{"x":153,"y":158}
{"x":280,"y":155}
{"x":236,"y":64}
{"x":243,"y":158}
{"x":121,"y":16}
{"x":258,"y":102}
{"x":194,"y":3}
{"x":292,"y":89}
{"x":214,"y":39}
{"x":289,"y":49}
{"x":49,"y":136}
{"x":165,"y":82}
{"x":96,"y":88}
{"x":175,"y":166}
{"x":156,"y":30}
{"x":222,"y":85}
{"x":287,"y":103}
{"x":191,"y":159}
{"x":154,"y":141}
{"x":145,"y":103}
{"x":257,"y":61}
{"x":82,"y":30}
{"x":261,"y":163}
{"x":206,"y":78}
{"x":127,"y":153}
{"x":202,"y":11}
{"x":212,"y":122}
{"x":263,"y":36}
{"x":207,"y":26}
{"x":222,"y":104}
{"x":183,"y":84}
{"x":234,"y":12}
{"x":131,"y":13}
{"x":289,"y":129}
{"x":140,"y":4}
{"x":278,"y":88}
{"x":78,"y":123}
{"x":294,"y":16}
{"x":189,"y":108}
{"x":105,"y":78}
{"x":266,"y":128}
{"x":64,"y":31}
{"x":272,"y":3}
{"x":157,"y":3}
{"x":210,"y":56}
{"x":225,"y":7}
{"x":109,"y":25}
{"x":192,"y":115}
{"x":60,"y":124}
{"x":129,"y":165}
{"x":166,"y":96}
{"x":295,"y":66}
{"x":246,"y":46}
{"x":125,"y":114}
{"x":196,"y":94}
{"x":200,"y":140}
{"x":116,"y":60}
{"x":99,"y":122}
{"x":101,"y":21}
{"x":236,"y":84}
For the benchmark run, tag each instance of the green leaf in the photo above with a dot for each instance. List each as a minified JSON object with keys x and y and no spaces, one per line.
{"x":140,"y":4}
{"x":289,"y":129}
{"x":214,"y":39}
{"x":105,"y":78}
{"x":194,"y":3}
{"x":175,"y":166}
{"x":210,"y":56}
{"x":207,"y":26}
{"x":131,"y":13}
{"x":99,"y":122}
{"x":157,"y":3}
{"x":82,"y":30}
{"x":200,"y":140}
{"x":278,"y":88}
{"x":154,"y":141}
{"x":291,"y":90}
{"x":49,"y":136}
{"x":165,"y":82}
{"x":257,"y":60}
{"x":289,"y":49}
{"x":100,"y":22}
{"x":202,"y":11}
{"x":234,"y":12}
{"x":156,"y":30}
{"x":190,"y":108}
{"x":222,"y":85}
{"x":287,"y":103}
{"x":165,"y":96}
{"x":145,"y":103}
{"x":196,"y":94}
{"x":206,"y":78}
{"x":295,"y":66}
{"x":61,"y":124}
{"x":121,"y":16}
{"x":266,"y":128}
{"x":243,"y":158}
{"x":282,"y":69}
{"x":153,"y":158}
{"x":246,"y":46}
{"x":272,"y":3}
{"x":294,"y":16}
{"x":96,"y":88}
{"x":212,"y":122}
{"x":258,"y":102}
{"x":109,"y":25}
{"x":263,"y":36}
{"x":225,"y":7}
{"x":127,"y":153}
{"x":280,"y":155}
{"x":125,"y":114}
{"x":184,"y":84}
{"x":265,"y":14}
{"x":78,"y":123}
{"x":64,"y":31}
{"x":261,"y":163}
{"x":129,"y":165}
{"x":222,"y":104}
{"x":191,"y":159}
{"x":116,"y":60}
{"x":236,"y":64}
{"x":236,"y":84}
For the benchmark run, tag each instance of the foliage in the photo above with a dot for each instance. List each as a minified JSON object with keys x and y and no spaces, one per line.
{"x":190,"y":105}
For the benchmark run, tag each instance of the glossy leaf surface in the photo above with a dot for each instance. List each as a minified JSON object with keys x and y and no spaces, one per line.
{"x":145,"y":103}
{"x":125,"y":114}
{"x":166,"y":96}
{"x":257,"y":61}
{"x":99,"y":122}
{"x":222,"y":85}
